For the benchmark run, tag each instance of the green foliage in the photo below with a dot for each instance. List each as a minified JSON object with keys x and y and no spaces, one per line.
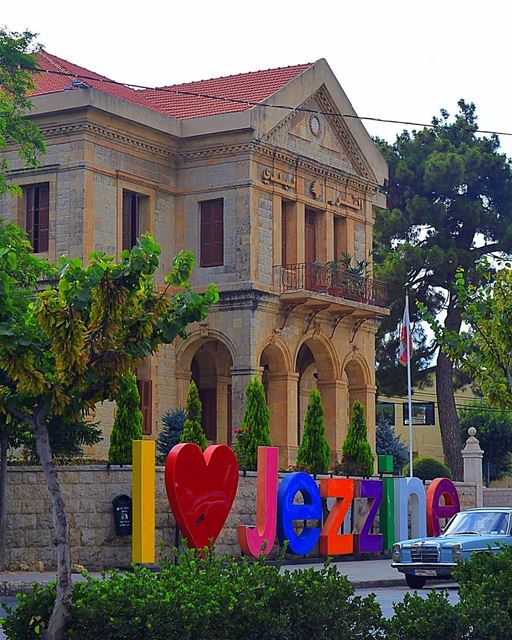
{"x":426,"y":468}
{"x":255,"y":429}
{"x":173,"y":422}
{"x":192,"y":429}
{"x":432,"y":618}
{"x":67,"y":440}
{"x":127,"y":423}
{"x":357,"y":457}
{"x":17,"y":64}
{"x":314,"y":452}
{"x":388,"y":443}
{"x":210,"y":597}
{"x":484,"y":349}
{"x":494,"y":432}
{"x":485,"y":585}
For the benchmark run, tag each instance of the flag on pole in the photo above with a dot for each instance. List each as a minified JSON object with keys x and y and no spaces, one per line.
{"x":404,"y":331}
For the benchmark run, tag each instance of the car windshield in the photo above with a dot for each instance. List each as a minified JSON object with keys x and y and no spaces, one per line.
{"x":478,"y":522}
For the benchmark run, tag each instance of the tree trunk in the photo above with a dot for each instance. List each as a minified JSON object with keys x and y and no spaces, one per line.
{"x":59,"y":618}
{"x":448,"y":417}
{"x":4,"y":441}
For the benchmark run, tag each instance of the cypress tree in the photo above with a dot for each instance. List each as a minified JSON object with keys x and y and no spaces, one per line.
{"x":127,"y":423}
{"x":255,"y":426}
{"x":357,"y":453}
{"x":314,"y":451}
{"x":192,"y":429}
{"x":173,"y":421}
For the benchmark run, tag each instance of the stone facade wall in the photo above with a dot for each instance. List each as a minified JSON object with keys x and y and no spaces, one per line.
{"x":89,"y":491}
{"x":501,"y":497}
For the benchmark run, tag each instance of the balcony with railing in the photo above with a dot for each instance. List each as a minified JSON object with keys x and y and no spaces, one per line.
{"x":332,"y":283}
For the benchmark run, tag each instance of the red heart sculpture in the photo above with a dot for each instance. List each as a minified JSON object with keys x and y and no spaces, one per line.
{"x":201,"y":489}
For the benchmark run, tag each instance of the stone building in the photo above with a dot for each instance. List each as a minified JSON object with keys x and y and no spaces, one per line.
{"x":269,"y":199}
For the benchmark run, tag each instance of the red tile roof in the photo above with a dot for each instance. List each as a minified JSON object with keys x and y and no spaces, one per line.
{"x":174,"y":100}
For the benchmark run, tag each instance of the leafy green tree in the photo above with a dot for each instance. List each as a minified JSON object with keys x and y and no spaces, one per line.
{"x":314,"y":452}
{"x":192,"y":427}
{"x":68,"y":347}
{"x":357,"y":457}
{"x":426,"y":468}
{"x":127,"y":423}
{"x":255,"y":429}
{"x":449,"y":204}
{"x":67,"y":440}
{"x":17,"y":64}
{"x":494,"y":432}
{"x":389,"y":443}
{"x":173,"y":422}
{"x":16,"y":61}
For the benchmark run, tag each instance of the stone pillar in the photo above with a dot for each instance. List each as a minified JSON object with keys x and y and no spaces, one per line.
{"x":282,"y":402}
{"x":222,"y":409}
{"x":300,"y":225}
{"x":332,"y":394}
{"x":240,"y":377}
{"x":472,"y":456}
{"x":183,"y":378}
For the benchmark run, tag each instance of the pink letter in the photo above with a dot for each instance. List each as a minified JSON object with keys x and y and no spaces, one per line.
{"x":259,"y":540}
{"x":437,"y":488}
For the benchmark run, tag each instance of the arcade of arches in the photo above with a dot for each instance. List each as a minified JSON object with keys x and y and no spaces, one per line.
{"x":287,"y":378}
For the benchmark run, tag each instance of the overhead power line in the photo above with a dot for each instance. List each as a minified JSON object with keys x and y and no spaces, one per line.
{"x":250,"y":103}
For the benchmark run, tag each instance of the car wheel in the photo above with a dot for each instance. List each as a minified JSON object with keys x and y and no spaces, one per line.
{"x":415,"y":582}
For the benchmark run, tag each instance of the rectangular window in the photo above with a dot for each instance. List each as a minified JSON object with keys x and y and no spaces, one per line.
{"x":212,"y":233}
{"x":146,"y":405}
{"x":385,"y":411}
{"x":36,"y":197}
{"x":131,"y":218}
{"x":422,"y":413}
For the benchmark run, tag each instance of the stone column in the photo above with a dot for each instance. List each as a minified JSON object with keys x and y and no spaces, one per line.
{"x":240,"y":377}
{"x":282,"y":401}
{"x":183,"y":378}
{"x":332,"y":394}
{"x":222,"y":409}
{"x":472,"y":456}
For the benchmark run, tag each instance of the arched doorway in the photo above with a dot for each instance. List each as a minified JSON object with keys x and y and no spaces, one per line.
{"x":356,"y":375}
{"x":207,"y":361}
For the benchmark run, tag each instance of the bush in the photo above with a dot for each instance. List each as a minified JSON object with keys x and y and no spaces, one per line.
{"x":388,"y":443}
{"x":173,"y":422}
{"x":210,"y":597}
{"x":428,"y":469}
{"x":357,"y":453}
{"x":255,"y":429}
{"x":192,"y":428}
{"x":127,"y":423}
{"x":433,"y":618}
{"x":314,"y":452}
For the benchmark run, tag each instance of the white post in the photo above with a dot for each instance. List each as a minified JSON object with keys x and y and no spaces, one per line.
{"x":472,"y":456}
{"x":409,"y":384}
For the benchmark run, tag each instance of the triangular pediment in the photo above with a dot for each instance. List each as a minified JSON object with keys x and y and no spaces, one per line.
{"x":318,"y":131}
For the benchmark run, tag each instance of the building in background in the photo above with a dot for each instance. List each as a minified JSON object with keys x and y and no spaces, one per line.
{"x":269,"y":199}
{"x":425,"y":417}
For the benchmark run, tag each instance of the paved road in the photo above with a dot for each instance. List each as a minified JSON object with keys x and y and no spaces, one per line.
{"x":386,"y":597}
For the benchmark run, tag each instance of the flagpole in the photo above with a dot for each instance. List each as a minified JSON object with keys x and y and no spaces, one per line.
{"x":409,"y":386}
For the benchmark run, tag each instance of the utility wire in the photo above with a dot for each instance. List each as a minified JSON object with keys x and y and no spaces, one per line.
{"x":249,"y":103}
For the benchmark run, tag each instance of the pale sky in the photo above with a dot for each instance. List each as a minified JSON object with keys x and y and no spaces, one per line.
{"x":400,"y":59}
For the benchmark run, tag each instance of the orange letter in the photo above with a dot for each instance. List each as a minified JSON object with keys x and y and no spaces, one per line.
{"x":331,"y":542}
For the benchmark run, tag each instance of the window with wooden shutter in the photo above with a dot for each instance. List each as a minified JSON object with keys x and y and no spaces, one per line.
{"x":131,"y":219}
{"x":146,"y":405}
{"x":212,"y":233}
{"x":37,"y":199}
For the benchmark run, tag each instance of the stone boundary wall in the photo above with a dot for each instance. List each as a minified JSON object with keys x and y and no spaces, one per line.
{"x":497,"y":497}
{"x":89,"y":491}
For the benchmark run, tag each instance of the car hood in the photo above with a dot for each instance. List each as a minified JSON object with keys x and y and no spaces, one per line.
{"x":464,"y":540}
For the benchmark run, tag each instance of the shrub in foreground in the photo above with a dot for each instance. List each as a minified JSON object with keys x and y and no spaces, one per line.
{"x":214,"y":598}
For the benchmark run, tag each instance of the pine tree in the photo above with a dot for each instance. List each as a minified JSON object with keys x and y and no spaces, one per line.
{"x":192,"y":429}
{"x":255,"y":427}
{"x":388,"y":443}
{"x":173,"y":421}
{"x":314,"y":452}
{"x":357,"y":453}
{"x":127,"y":423}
